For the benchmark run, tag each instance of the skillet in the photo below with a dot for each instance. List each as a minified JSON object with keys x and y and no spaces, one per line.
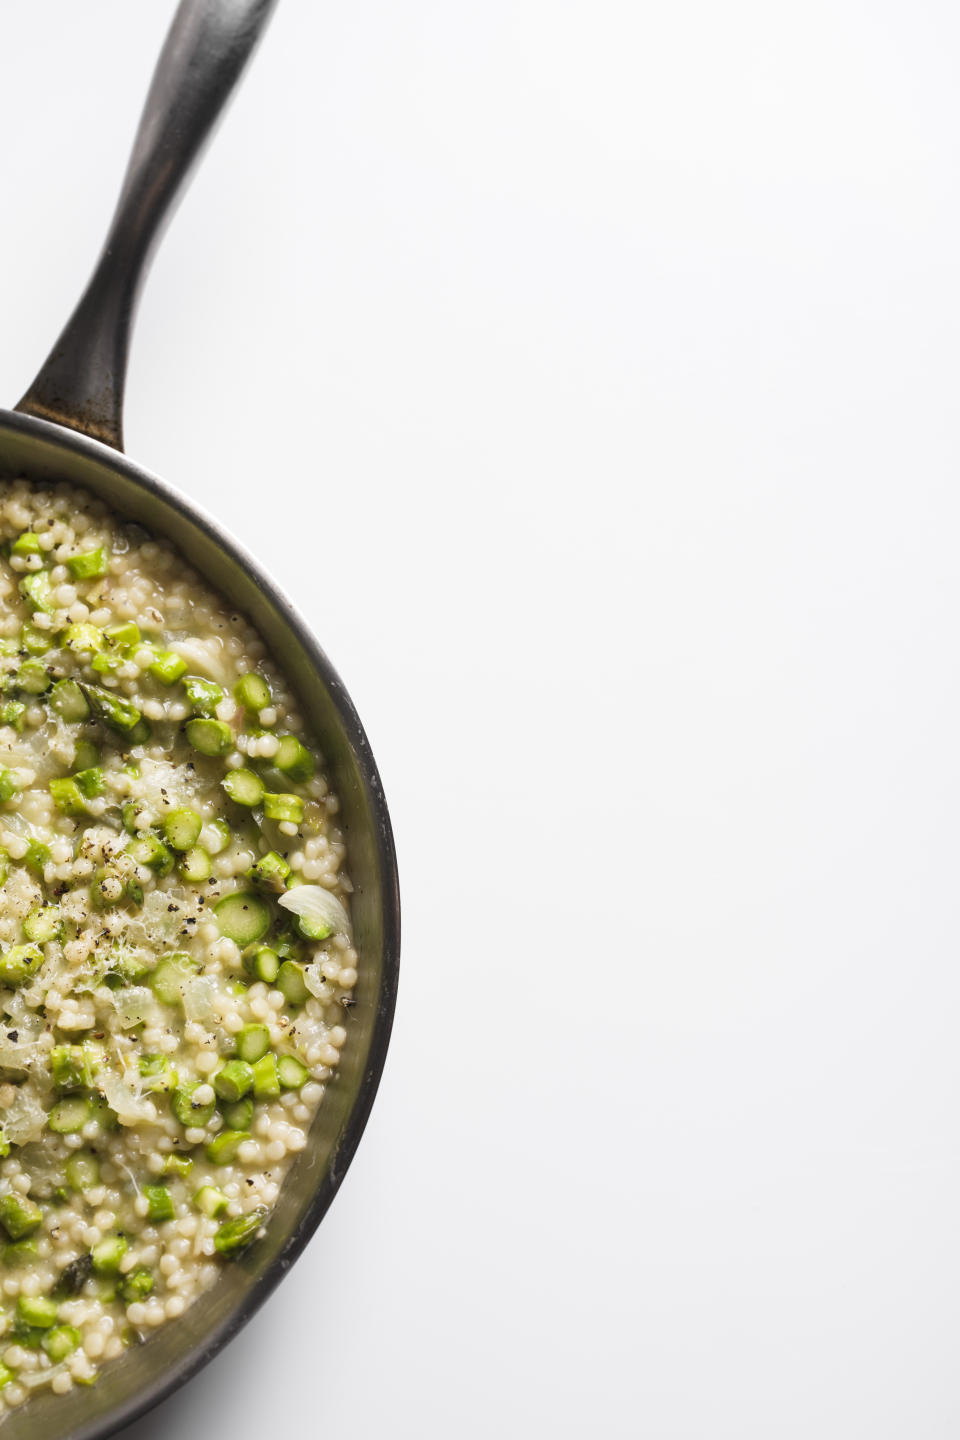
{"x":69,"y":427}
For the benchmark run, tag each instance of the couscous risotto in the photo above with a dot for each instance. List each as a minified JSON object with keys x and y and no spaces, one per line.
{"x":176,"y":960}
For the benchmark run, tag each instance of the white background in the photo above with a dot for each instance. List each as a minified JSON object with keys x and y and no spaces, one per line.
{"x":589,"y":375}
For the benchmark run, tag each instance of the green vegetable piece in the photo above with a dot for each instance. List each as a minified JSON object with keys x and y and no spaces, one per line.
{"x":203,"y":695}
{"x":83,"y":639}
{"x":29,"y":1336}
{"x":112,"y":710}
{"x":171,"y":975}
{"x":243,"y":917}
{"x":26,"y":544}
{"x":283,"y":808}
{"x":291,"y":984}
{"x":8,"y":785}
{"x":68,"y":1068}
{"x":182,"y":828}
{"x":233,"y":1080}
{"x":36,"y":590}
{"x":103,"y":1114}
{"x":192,"y":1113}
{"x":61,"y":1341}
{"x":19,"y":963}
{"x":159,"y":1203}
{"x":67,"y":796}
{"x":252,"y":692}
{"x":149,"y":850}
{"x":70,"y":1115}
{"x":83,"y":1170}
{"x":263,"y":964}
{"x":86,"y":755}
{"x":140,"y":733}
{"x":69,"y":701}
{"x":20,"y":1252}
{"x":167,"y":666}
{"x":103,"y":889}
{"x":252,"y":1042}
{"x":218,"y":836}
{"x":37,"y":1310}
{"x":32,"y":677}
{"x":235,"y":1235}
{"x":271,"y":871}
{"x":211,"y":1201}
{"x":34,"y":640}
{"x":89,"y":565}
{"x":223,"y":1148}
{"x":106,"y":1255}
{"x":37,"y":856}
{"x":195,"y":865}
{"x":243,"y":787}
{"x":90,"y":782}
{"x":210,"y":737}
{"x":19,"y":1216}
{"x":135,"y":1286}
{"x":157,"y":1071}
{"x":292,"y":1073}
{"x":125,"y":636}
{"x":238,"y":1114}
{"x":12,"y":713}
{"x":130,"y":810}
{"x":107,"y":661}
{"x":43,"y":924}
{"x":294,"y":760}
{"x":266,"y":1081}
{"x":179,"y":1165}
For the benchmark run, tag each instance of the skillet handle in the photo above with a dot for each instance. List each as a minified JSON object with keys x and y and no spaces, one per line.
{"x":81,"y":383}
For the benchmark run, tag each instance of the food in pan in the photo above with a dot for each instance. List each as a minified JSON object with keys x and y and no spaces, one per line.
{"x":176,"y":958}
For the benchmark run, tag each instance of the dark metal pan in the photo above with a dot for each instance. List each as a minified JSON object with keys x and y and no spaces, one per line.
{"x":69,"y":427}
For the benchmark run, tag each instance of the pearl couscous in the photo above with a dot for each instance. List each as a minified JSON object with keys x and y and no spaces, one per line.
{"x":176,"y":960}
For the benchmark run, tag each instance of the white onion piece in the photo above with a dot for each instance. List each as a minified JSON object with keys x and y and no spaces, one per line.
{"x":315,"y":981}
{"x":318,"y":907}
{"x":205,"y":656}
{"x":307,"y":1031}
{"x":18,"y":1056}
{"x":202,"y":1000}
{"x":24,"y":1119}
{"x":134,"y":1005}
{"x":130,"y":1108}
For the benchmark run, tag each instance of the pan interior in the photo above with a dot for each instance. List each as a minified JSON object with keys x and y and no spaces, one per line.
{"x":41,"y":452}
